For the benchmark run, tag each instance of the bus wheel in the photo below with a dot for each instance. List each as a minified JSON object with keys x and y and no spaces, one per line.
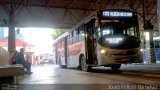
{"x":115,"y":67}
{"x":84,"y":66}
{"x":63,"y":66}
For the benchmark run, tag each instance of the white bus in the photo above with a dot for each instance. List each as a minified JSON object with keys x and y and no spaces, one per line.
{"x":108,"y":37}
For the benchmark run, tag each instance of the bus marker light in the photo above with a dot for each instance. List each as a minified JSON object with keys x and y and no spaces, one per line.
{"x":123,"y":52}
{"x":125,"y":59}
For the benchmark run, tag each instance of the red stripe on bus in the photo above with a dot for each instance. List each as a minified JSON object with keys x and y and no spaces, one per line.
{"x":75,"y":49}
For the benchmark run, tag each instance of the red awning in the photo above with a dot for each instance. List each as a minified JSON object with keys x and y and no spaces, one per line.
{"x":19,"y":43}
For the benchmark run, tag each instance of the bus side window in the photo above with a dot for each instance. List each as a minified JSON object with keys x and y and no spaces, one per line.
{"x":68,"y":39}
{"x":96,"y":23}
{"x":72,"y":35}
{"x":97,"y":29}
{"x":77,"y":34}
{"x":82,"y":32}
{"x":58,"y":43}
{"x":61,"y":42}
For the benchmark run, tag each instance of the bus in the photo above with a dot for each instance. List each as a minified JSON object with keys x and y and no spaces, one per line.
{"x":108,"y":37}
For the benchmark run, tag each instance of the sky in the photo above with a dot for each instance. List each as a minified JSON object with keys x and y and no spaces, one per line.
{"x":40,"y":37}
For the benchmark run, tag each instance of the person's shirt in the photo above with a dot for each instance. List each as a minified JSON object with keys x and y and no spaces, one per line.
{"x":20,"y":59}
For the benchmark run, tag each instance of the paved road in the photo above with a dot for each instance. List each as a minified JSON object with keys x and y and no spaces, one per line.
{"x":130,"y":77}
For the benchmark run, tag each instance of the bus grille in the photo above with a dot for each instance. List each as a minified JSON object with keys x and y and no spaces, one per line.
{"x":129,"y":52}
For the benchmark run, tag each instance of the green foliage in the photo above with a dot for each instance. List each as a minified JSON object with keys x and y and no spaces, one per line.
{"x":155,"y":34}
{"x":58,"y":32}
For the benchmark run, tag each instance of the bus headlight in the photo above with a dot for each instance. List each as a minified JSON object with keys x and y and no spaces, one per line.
{"x":102,"y":51}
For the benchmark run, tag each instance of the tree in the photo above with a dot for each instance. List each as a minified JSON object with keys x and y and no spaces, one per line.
{"x":58,"y":32}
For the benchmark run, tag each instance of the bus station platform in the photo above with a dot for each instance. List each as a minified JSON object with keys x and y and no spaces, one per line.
{"x":52,"y":77}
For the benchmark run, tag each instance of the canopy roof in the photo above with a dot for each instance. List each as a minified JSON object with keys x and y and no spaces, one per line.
{"x":67,"y":13}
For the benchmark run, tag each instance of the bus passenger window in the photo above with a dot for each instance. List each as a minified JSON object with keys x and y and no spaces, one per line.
{"x":96,"y":24}
{"x":72,"y":37}
{"x":75,"y":36}
{"x":72,"y":34}
{"x":81,"y":35}
{"x":98,"y":33}
{"x":78,"y":34}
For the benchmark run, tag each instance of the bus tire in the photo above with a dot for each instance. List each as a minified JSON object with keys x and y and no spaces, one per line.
{"x":63,"y":66}
{"x":115,"y":67}
{"x":84,"y":66}
{"x":79,"y":67}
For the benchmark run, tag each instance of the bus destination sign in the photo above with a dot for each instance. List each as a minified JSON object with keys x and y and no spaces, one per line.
{"x":117,"y":14}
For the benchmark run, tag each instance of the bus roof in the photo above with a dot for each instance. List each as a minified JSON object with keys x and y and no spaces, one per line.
{"x":94,"y":14}
{"x":63,"y":35}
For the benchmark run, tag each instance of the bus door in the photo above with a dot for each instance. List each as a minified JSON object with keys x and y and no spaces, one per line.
{"x":66,"y":49}
{"x":89,"y":39}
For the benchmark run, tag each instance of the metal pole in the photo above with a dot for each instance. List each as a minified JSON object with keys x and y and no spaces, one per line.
{"x":143,"y":13}
{"x":11,"y":32}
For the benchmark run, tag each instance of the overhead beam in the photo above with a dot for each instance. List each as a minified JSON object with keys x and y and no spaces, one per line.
{"x":4,"y":5}
{"x":67,"y":10}
{"x":87,"y":9}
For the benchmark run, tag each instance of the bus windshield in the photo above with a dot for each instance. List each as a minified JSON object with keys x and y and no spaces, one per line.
{"x":117,"y":27}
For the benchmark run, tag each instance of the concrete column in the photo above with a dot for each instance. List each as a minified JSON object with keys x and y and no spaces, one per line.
{"x":11,"y":32}
{"x":158,"y":7}
{"x":149,"y":46}
{"x":158,"y":10}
